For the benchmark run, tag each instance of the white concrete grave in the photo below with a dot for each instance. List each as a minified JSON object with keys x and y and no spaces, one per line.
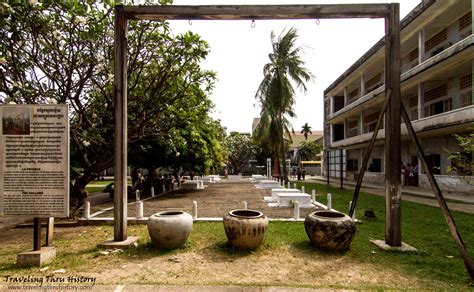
{"x":193,"y":185}
{"x":208,"y":179}
{"x":275,"y":192}
{"x":288,"y":199}
{"x":216,"y":177}
{"x":257,"y":177}
{"x":268,"y":184}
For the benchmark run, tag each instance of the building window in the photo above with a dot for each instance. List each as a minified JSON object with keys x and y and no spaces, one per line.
{"x":352,"y":165}
{"x":465,"y":21}
{"x":338,"y":103}
{"x":436,"y":40}
{"x":465,"y":85}
{"x":437,"y":92}
{"x":376,"y":165}
{"x":370,"y":122}
{"x":338,"y":132}
{"x":373,"y":82}
{"x":353,"y":95}
{"x":413,"y":55}
{"x":434,"y":163}
{"x":439,"y":107}
{"x":466,"y":98}
{"x":465,"y":82}
{"x":353,"y":128}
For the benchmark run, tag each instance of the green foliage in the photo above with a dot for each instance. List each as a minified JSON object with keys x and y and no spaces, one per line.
{"x":62,"y":52}
{"x":462,"y":161}
{"x":305,"y":130}
{"x":276,"y":93}
{"x":240,"y":149}
{"x":309,"y":150}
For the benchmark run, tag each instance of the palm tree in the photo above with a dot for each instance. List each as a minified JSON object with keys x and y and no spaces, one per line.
{"x":276,"y":93}
{"x":305,"y":130}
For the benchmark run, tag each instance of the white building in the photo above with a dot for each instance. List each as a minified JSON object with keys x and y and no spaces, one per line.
{"x":436,"y":84}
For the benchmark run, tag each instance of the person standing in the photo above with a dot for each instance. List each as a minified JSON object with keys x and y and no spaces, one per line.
{"x":404,"y":174}
{"x":415,"y":174}
{"x":410,"y":174}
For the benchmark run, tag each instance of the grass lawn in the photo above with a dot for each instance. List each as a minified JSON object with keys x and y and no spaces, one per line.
{"x":285,"y":258}
{"x":97,"y":186}
{"x":423,"y":227}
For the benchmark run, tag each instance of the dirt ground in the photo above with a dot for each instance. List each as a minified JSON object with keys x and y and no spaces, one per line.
{"x":206,"y":264}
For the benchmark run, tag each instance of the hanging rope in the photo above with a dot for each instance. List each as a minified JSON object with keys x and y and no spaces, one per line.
{"x":253,"y":24}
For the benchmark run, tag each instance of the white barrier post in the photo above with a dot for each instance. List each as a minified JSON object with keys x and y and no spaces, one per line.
{"x":245,"y":204}
{"x":152,"y":192}
{"x":289,"y":185}
{"x":164,"y":188}
{"x":139,"y":206}
{"x":329,"y":205}
{"x":302,"y":189}
{"x":87,"y":209}
{"x":296,"y":210}
{"x":195,"y":209}
{"x":137,"y":195}
{"x":294,"y":185}
{"x":313,"y":196}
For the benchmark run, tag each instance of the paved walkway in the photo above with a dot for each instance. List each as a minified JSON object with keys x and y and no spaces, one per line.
{"x":458,"y":201}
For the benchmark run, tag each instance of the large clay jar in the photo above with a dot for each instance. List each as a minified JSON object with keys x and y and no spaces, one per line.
{"x":330,"y":229}
{"x":245,"y":229}
{"x":169,"y":229}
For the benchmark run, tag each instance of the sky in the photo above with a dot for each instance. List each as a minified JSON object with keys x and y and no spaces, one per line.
{"x":239,"y":52}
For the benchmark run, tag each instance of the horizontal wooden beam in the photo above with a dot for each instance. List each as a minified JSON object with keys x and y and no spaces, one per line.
{"x":251,"y":12}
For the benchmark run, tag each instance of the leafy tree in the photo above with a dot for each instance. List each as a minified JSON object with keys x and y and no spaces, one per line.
{"x":309,"y":151}
{"x":305,"y":130}
{"x":461,"y":161}
{"x":276,"y":93}
{"x":240,"y":149}
{"x":62,"y":52}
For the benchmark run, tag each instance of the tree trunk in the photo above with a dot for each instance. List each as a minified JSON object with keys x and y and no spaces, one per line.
{"x":79,"y":193}
{"x":283,"y":160}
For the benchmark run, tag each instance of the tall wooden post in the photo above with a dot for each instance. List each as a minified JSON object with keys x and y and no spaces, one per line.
{"x":392,"y":129}
{"x":120,"y":106}
{"x":36,"y":234}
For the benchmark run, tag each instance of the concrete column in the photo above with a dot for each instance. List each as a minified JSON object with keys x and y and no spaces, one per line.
{"x":139,"y":209}
{"x":331,"y":104}
{"x":361,"y":123}
{"x":296,"y":210}
{"x":421,"y":101}
{"x":421,"y":46}
{"x":362,"y":85}
{"x":346,"y":96}
{"x":195,"y":210}
{"x":87,"y":209}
